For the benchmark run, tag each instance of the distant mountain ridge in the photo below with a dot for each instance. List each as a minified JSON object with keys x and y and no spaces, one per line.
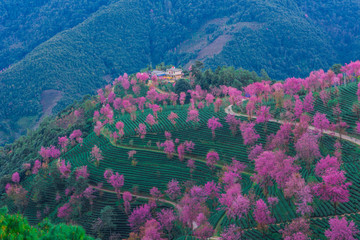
{"x":284,"y":37}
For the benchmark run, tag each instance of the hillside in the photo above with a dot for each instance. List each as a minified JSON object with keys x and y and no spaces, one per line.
{"x":85,"y":46}
{"x":143,"y":162}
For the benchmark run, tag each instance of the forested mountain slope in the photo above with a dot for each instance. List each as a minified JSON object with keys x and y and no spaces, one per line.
{"x":284,"y":37}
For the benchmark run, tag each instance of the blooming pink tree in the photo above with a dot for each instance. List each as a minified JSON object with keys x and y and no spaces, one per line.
{"x":255,"y":152}
{"x":76,"y":135}
{"x":358,"y":127}
{"x":308,"y":103}
{"x":97,"y":128}
{"x":263,"y":114}
{"x":325,"y":164}
{"x":155,"y":108}
{"x":262,"y":215}
{"x":248,"y":133}
{"x":65,"y":211}
{"x":282,"y":137}
{"x":211,"y":159}
{"x":64,"y":169}
{"x":209,"y":99}
{"x":191,"y":165}
{"x":292,"y":85}
{"x":232,"y":232}
{"x":155,"y":193}
{"x":205,"y":231}
{"x":82,"y":172}
{"x":193,"y":116}
{"x":273,"y":165}
{"x":182,"y":98}
{"x":141,"y":102}
{"x":63,"y":142}
{"x":150,"y":120}
{"x":141,"y":130}
{"x":139,"y":216}
{"x":213,"y":124}
{"x":298,"y":108}
{"x":333,"y":187}
{"x":15,"y":177}
{"x":172,"y":116}
{"x":96,"y":155}
{"x":127,"y":197}
{"x":233,"y":123}
{"x":173,"y":98}
{"x":341,"y":229}
{"x":307,"y":147}
{"x":298,"y":229}
{"x":115,"y":180}
{"x":325,"y":97}
{"x":169,"y":148}
{"x":166,"y":219}
{"x":36,"y":167}
{"x":173,"y":189}
{"x":217,"y":104}
{"x":120,"y":127}
{"x":236,"y":205}
{"x":321,"y":122}
{"x":181,"y":151}
{"x":250,"y":108}
{"x":50,"y":152}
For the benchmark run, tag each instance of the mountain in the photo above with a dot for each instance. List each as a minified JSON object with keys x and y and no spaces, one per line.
{"x":153,"y":160}
{"x":59,"y":52}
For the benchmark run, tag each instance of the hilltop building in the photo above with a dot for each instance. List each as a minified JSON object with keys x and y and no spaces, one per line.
{"x":170,"y":75}
{"x":174,"y":73}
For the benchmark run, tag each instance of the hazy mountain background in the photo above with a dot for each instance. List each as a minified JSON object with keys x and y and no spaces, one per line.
{"x":56,"y":51}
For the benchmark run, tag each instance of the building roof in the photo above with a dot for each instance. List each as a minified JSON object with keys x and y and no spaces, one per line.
{"x":174,"y":69}
{"x":158,"y":73}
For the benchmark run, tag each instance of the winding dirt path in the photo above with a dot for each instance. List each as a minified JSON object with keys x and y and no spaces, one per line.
{"x":353,"y":140}
{"x":137,"y":196}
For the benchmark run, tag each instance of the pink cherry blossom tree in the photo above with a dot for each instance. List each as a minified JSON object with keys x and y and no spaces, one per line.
{"x":232,"y":232}
{"x":96,"y":155}
{"x":233,"y":123}
{"x":341,"y":229}
{"x":150,"y":120}
{"x":127,"y":197}
{"x":120,"y":127}
{"x":321,"y":122}
{"x":308,"y":103}
{"x":193,"y":116}
{"x":262,"y":215}
{"x":333,"y":187}
{"x":169,"y":148}
{"x":64,"y":169}
{"x":141,"y":130}
{"x":307,"y":147}
{"x":181,"y":152}
{"x":213,"y":124}
{"x":248,"y":133}
{"x":236,"y":205}
{"x":298,"y":229}
{"x":139,"y":216}
{"x":173,"y":189}
{"x":63,"y":142}
{"x":172,"y":116}
{"x":212,"y":158}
